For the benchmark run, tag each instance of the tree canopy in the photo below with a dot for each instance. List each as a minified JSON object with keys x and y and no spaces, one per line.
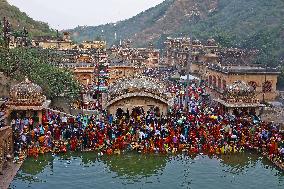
{"x":35,"y":64}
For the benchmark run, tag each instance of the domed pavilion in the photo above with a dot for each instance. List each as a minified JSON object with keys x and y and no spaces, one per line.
{"x":138,"y":91}
{"x":26,"y":99}
{"x":239,"y":96}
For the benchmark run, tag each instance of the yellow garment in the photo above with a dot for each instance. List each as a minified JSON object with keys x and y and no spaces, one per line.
{"x":235,"y":149}
{"x":41,"y":139}
{"x":222,"y":150}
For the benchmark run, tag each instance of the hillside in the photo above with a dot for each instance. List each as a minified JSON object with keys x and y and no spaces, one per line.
{"x":20,"y":19}
{"x":240,"y":23}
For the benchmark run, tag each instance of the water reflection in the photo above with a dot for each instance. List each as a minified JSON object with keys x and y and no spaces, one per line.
{"x":135,"y":165}
{"x":239,"y":162}
{"x":131,"y":170}
{"x":34,"y":166}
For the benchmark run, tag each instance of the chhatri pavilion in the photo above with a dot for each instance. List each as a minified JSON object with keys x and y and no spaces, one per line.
{"x":27,"y":100}
{"x":239,"y":96}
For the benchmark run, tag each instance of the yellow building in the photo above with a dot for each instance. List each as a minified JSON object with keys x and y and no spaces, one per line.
{"x":239,"y":97}
{"x":93,"y":45}
{"x":84,"y":58}
{"x":146,"y":57}
{"x":85,"y":75}
{"x":221,"y":66}
{"x":48,"y":42}
{"x":263,"y":80}
{"x":118,"y":72}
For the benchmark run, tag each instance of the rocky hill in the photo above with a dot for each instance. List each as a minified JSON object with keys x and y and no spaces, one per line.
{"x":240,"y":23}
{"x":20,"y":19}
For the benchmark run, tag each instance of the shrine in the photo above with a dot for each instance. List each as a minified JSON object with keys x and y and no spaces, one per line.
{"x":26,"y":100}
{"x":138,"y":91}
{"x":239,"y":97}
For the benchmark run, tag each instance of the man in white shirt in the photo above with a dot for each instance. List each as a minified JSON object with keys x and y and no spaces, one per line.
{"x":64,"y":120}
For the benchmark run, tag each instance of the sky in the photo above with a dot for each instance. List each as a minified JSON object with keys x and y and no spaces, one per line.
{"x":67,"y":14}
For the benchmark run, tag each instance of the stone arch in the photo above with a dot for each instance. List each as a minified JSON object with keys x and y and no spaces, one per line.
{"x":224,"y":82}
{"x":119,"y":112}
{"x":214,"y":81}
{"x":85,"y":79}
{"x":219,"y":83}
{"x":137,"y":94}
{"x":133,"y":100}
{"x":210,"y":80}
{"x":140,"y":91}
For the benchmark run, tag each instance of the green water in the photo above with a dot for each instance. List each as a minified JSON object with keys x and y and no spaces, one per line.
{"x":87,"y":170}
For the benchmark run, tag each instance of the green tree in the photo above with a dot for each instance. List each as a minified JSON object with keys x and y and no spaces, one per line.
{"x":35,"y":64}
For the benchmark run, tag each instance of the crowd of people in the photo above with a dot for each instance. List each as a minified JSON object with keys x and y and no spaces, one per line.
{"x":198,"y":128}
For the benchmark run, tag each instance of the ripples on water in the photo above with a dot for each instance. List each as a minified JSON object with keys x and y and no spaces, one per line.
{"x":88,"y":170}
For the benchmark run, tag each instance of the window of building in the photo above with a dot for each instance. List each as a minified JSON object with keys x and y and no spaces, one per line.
{"x":224,"y":84}
{"x":219,"y":83}
{"x":267,"y":87}
{"x":214,"y":81}
{"x":252,"y":84}
{"x":210,"y":80}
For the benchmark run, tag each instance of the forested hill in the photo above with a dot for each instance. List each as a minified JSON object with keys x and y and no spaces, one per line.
{"x":20,"y":19}
{"x":239,"y":23}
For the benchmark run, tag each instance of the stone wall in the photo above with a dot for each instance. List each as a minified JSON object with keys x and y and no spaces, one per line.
{"x":6,"y":145}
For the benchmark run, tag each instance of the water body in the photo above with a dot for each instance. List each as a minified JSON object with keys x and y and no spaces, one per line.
{"x":131,"y":170}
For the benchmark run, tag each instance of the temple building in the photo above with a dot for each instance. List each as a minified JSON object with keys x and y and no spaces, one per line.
{"x":120,"y":70}
{"x":146,"y":57}
{"x":262,"y":80}
{"x":49,"y":42}
{"x":176,"y":54}
{"x":81,"y":58}
{"x":93,"y":45}
{"x":221,"y":66}
{"x":26,"y":100}
{"x":138,"y":92}
{"x":239,"y":97}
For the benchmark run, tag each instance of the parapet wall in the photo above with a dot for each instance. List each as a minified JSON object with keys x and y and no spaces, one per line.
{"x":6,"y":145}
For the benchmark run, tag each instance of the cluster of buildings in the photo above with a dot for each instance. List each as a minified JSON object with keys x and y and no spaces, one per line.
{"x":232,"y":79}
{"x":145,"y":57}
{"x":13,"y":39}
{"x":96,"y":66}
{"x":64,"y":42}
{"x":221,"y":67}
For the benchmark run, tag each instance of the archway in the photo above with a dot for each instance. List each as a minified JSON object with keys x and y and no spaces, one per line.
{"x":157,"y":111}
{"x":119,"y":113}
{"x":136,"y":111}
{"x":210,"y":81}
{"x":85,"y":79}
{"x":224,"y":84}
{"x":214,"y":82}
{"x":219,"y":83}
{"x":137,"y":105}
{"x":138,"y":95}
